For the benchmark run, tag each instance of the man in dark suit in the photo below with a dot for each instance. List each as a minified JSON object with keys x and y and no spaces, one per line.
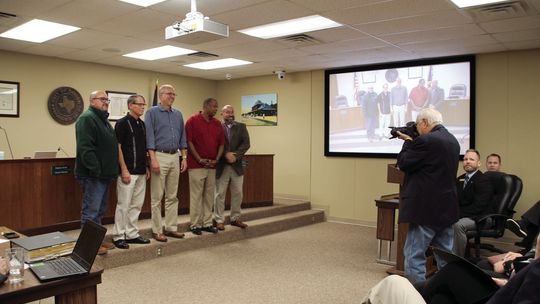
{"x":231,"y":169}
{"x":474,"y":194}
{"x":428,"y":199}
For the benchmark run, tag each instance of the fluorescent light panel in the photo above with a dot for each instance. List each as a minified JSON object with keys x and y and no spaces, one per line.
{"x":39,"y":31}
{"x":469,"y":3}
{"x":218,"y":64}
{"x":159,"y":53}
{"x":290,"y":27}
{"x":143,"y":3}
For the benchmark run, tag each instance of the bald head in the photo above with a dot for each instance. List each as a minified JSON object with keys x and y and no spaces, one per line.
{"x":227,"y":112}
{"x":99,"y":100}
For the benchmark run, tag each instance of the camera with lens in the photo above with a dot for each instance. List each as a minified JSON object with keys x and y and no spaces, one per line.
{"x":409,"y":129}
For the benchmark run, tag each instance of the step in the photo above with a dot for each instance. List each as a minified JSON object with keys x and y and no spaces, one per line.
{"x":257,"y":227}
{"x":282,"y":215}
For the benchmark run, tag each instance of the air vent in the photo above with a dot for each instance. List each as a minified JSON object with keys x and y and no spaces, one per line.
{"x":203,"y":55}
{"x":299,"y":40}
{"x":499,"y":11}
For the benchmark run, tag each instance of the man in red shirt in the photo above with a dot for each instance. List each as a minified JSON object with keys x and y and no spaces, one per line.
{"x":418,"y":98}
{"x":205,"y":145}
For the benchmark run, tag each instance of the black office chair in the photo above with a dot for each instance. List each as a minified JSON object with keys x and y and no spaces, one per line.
{"x":506,"y":192}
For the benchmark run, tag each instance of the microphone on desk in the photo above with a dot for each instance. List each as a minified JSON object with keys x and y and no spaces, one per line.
{"x":7,"y":139}
{"x":61,"y":149}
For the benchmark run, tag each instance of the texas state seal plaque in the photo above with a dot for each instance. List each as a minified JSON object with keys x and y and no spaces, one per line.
{"x":65,"y":105}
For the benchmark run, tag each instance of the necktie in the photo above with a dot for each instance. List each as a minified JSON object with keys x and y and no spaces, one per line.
{"x":466,"y":181}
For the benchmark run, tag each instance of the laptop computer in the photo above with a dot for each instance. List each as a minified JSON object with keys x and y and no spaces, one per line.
{"x":79,"y":261}
{"x":44,"y":154}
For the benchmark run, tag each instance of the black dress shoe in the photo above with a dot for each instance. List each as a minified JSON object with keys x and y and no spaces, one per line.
{"x":138,"y":240}
{"x":121,"y":244}
{"x":210,"y":229}
{"x":196,"y":230}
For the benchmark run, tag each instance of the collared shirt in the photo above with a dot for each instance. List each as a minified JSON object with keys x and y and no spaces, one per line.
{"x":164,"y":129}
{"x":206,"y":137}
{"x":131,"y":135}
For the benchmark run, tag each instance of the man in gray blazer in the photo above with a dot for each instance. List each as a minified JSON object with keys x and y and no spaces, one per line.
{"x":231,"y":169}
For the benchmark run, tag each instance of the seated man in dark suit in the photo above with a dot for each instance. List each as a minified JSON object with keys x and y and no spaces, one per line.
{"x":474,"y":195}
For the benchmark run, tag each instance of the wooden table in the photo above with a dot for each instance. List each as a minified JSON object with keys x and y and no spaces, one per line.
{"x":386,"y":218}
{"x":76,"y":289}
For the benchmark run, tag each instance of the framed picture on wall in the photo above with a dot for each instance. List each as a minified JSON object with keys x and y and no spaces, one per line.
{"x":118,"y":107}
{"x":9,"y":98}
{"x":260,"y":109}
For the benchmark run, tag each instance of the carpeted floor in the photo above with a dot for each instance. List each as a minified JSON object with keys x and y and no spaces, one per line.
{"x":321,"y":263}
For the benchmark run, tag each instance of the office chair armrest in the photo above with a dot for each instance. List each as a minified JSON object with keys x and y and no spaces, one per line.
{"x":494,"y":216}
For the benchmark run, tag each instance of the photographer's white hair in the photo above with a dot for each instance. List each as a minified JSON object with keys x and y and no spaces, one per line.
{"x":431,"y":116}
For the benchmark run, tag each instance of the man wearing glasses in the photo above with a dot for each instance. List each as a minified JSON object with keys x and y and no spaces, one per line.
{"x":96,"y":164}
{"x":165,"y":135}
{"x":131,"y":184}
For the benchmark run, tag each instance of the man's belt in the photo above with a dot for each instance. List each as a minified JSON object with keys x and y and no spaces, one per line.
{"x":168,"y":151}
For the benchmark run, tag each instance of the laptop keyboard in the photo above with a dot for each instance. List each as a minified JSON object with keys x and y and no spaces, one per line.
{"x":64,"y":266}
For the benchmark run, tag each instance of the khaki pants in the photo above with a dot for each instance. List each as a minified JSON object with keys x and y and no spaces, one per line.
{"x":393,"y":290}
{"x":222,"y":183}
{"x":202,"y":184}
{"x":166,"y":182}
{"x":128,"y":208}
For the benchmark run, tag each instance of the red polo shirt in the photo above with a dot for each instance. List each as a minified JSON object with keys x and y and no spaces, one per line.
{"x":206,"y":136}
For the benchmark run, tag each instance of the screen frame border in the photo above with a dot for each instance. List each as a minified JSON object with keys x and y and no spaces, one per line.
{"x":392,"y":65}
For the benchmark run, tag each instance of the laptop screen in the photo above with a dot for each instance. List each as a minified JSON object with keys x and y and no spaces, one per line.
{"x":88,"y":243}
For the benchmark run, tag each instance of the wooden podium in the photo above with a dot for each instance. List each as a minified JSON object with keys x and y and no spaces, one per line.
{"x":386,"y":218}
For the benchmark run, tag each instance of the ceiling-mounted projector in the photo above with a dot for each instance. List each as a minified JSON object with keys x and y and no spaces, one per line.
{"x":196,"y":28}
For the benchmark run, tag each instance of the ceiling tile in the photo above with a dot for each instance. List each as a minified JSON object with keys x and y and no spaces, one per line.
{"x":510,"y":25}
{"x":47,"y":50}
{"x":413,"y":23}
{"x":466,"y":30}
{"x":518,"y":35}
{"x":263,"y":13}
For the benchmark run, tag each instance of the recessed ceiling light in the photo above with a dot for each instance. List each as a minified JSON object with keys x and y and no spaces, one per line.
{"x":469,"y":3}
{"x":39,"y":31}
{"x":290,"y":27}
{"x":143,"y":3}
{"x":159,"y":53}
{"x":218,"y":64}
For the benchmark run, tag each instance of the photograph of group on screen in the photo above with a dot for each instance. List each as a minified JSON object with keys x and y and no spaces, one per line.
{"x":363,"y":105}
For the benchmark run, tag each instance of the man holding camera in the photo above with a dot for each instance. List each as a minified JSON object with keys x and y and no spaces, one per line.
{"x":428,"y":199}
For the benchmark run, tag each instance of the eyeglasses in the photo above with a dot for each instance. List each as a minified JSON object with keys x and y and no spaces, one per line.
{"x":103,"y":99}
{"x":139,"y":104}
{"x":170,"y":94}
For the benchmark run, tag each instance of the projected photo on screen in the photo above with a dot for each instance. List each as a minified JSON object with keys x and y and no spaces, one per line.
{"x":363,"y":102}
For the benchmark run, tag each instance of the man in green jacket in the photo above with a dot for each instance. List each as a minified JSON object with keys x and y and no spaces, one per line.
{"x":97,"y":159}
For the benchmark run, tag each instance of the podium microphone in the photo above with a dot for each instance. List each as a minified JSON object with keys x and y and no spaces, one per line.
{"x":7,"y":139}
{"x":64,"y":151}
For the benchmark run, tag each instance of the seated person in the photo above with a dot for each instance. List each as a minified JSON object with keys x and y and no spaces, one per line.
{"x":443,"y":287}
{"x":474,"y":195}
{"x":4,"y":269}
{"x":528,"y":227}
{"x":493,"y":162}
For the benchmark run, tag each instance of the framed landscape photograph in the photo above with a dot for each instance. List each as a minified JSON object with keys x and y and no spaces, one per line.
{"x":118,"y":107}
{"x":9,"y":98}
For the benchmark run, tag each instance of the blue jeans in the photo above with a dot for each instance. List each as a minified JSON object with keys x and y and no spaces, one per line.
{"x":94,"y":199}
{"x":418,"y":239}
